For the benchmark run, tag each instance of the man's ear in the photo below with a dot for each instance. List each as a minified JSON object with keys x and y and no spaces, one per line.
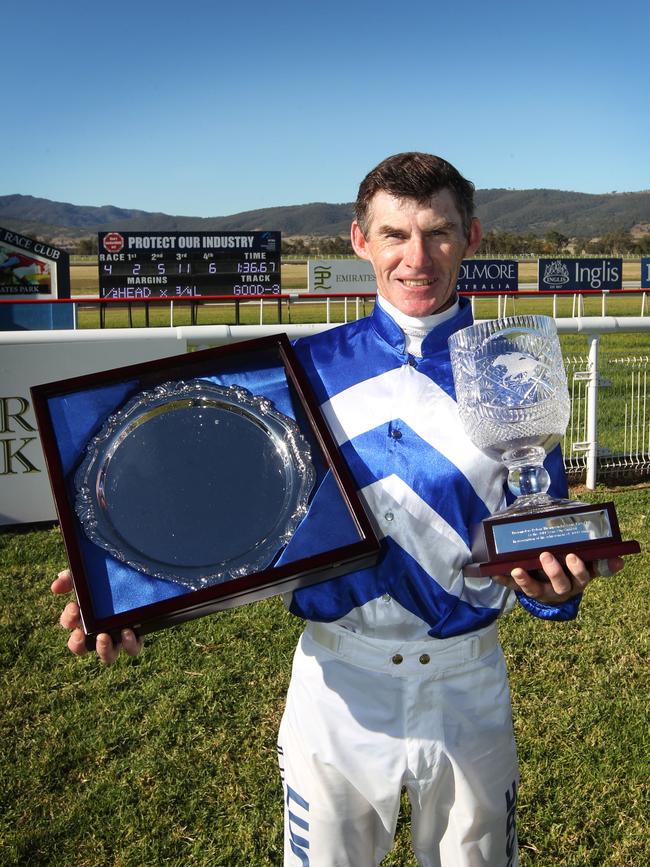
{"x":474,"y":239}
{"x":358,"y":239}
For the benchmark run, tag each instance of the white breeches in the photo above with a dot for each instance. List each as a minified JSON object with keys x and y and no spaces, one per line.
{"x":366,"y":718}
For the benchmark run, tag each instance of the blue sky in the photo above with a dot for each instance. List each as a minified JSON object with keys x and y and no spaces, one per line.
{"x":209,"y":109}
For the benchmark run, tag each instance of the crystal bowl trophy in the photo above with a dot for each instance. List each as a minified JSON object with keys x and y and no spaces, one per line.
{"x":514,"y":404}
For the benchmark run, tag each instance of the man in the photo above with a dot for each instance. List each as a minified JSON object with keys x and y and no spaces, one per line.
{"x":399,"y":680}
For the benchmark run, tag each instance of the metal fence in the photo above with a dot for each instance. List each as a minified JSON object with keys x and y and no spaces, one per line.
{"x":619,"y":388}
{"x":91,"y":311}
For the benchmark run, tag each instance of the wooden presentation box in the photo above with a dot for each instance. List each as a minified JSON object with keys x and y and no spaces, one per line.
{"x":196,"y":483}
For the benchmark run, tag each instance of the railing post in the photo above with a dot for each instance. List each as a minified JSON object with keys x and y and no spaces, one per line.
{"x":592,"y":408}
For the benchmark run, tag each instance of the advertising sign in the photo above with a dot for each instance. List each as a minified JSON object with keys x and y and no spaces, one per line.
{"x":340,"y":276}
{"x":488,"y":275}
{"x":25,"y":494}
{"x":356,"y":275}
{"x":645,"y":273}
{"x":164,"y":265}
{"x":576,"y":275}
{"x":31,"y":268}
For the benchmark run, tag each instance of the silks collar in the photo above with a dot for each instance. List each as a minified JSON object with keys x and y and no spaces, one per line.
{"x":390,"y":332}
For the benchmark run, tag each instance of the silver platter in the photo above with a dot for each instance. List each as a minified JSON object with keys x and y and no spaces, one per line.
{"x":195,"y":483}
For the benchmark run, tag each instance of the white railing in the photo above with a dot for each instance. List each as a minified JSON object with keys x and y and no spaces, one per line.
{"x":622,"y":414}
{"x":609,"y":427}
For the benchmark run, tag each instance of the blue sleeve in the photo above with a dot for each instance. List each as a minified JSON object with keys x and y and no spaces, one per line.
{"x":568,"y":610}
{"x":564,"y":611}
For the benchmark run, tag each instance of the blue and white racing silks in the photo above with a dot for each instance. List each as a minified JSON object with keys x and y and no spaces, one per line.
{"x":396,"y":421}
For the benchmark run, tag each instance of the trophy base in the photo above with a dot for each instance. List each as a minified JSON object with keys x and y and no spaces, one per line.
{"x":516,"y":537}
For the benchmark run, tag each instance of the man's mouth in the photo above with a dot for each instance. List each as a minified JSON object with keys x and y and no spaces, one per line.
{"x":417,"y":284}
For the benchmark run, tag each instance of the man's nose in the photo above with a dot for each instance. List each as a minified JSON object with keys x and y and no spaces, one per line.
{"x":417,"y":252}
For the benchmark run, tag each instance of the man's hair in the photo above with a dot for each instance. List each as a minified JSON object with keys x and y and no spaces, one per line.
{"x":416,"y":176}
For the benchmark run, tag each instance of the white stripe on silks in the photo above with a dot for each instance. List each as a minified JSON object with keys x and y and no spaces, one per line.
{"x":484,"y":474}
{"x":486,"y":593}
{"x":361,"y":407}
{"x":407,"y":519}
{"x":430,"y":540}
{"x":429,"y":412}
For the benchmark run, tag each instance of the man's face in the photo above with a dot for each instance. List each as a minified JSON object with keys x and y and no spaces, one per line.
{"x":416,"y":250}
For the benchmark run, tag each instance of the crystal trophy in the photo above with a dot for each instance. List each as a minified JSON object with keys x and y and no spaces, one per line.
{"x":514,"y":403}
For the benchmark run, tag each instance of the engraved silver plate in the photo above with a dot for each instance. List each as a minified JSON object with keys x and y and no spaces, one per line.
{"x":195,"y":483}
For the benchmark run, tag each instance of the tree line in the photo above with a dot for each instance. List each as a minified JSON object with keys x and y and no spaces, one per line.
{"x":618,"y":242}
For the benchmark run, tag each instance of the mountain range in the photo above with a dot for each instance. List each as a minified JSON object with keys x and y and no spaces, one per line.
{"x":536,"y":211}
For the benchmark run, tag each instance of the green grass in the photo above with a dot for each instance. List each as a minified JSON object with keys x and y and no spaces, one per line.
{"x":117,"y":315}
{"x":171,"y":756}
{"x":580,"y":695}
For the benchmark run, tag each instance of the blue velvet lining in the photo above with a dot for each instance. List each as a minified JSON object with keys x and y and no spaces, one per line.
{"x":115,"y":587}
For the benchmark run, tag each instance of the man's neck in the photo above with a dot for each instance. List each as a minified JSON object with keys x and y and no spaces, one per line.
{"x":416,"y":328}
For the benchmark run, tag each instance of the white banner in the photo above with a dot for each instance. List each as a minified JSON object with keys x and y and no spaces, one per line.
{"x":340,"y":276}
{"x":25,"y":495}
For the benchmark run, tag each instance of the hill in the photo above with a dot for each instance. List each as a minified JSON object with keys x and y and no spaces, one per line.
{"x":580,"y":215}
{"x":520,"y":211}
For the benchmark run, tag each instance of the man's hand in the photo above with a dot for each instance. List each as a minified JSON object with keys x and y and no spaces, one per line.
{"x":70,"y":619}
{"x":563,"y":582}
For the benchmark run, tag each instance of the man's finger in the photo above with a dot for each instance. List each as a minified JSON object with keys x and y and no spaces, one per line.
{"x":62,"y":583}
{"x":580,"y":573}
{"x":607,"y":568}
{"x":505,"y":581}
{"x":553,"y":570}
{"x":77,"y":642}
{"x":130,"y":642}
{"x":106,"y":650}
{"x":70,"y":617}
{"x":526,"y":583}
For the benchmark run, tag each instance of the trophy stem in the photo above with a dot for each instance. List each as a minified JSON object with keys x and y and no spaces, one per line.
{"x":528,"y":479}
